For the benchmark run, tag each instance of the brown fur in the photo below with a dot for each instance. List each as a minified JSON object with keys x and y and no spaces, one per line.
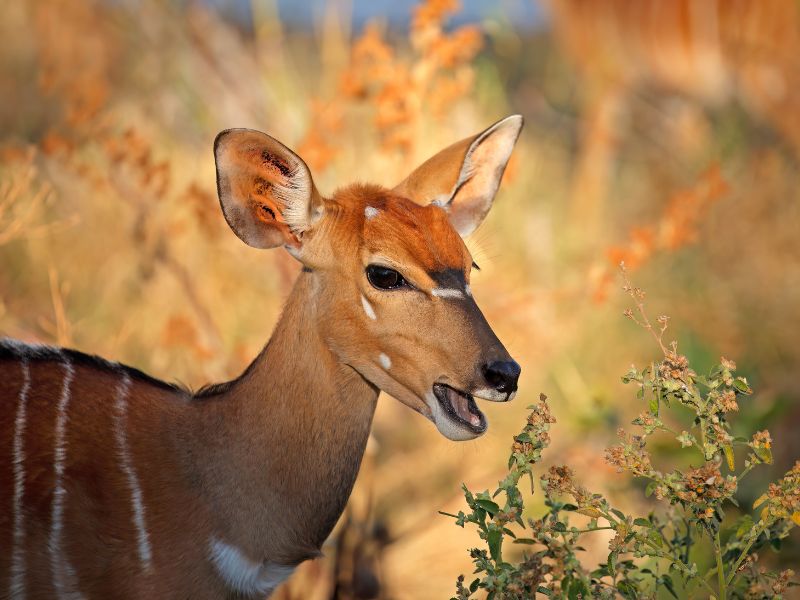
{"x":265,"y":462}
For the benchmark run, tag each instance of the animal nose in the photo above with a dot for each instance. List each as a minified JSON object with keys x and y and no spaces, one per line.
{"x":502,"y":375}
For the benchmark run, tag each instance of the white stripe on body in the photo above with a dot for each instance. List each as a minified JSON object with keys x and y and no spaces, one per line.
{"x":61,"y":570}
{"x":17,"y":583}
{"x":126,"y":464}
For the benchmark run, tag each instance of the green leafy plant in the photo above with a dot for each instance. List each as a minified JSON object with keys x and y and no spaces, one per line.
{"x":656,"y":554}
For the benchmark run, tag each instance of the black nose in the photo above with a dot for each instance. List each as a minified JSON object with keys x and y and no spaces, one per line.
{"x":502,"y":375}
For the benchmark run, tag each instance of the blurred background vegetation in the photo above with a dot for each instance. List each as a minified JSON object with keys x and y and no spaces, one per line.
{"x":664,"y":134}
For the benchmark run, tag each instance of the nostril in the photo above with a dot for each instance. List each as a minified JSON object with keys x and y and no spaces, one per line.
{"x":502,"y":375}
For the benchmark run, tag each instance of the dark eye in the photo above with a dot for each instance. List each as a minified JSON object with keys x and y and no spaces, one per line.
{"x":384,"y":278}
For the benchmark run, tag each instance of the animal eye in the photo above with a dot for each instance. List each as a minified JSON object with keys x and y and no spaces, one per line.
{"x":384,"y":278}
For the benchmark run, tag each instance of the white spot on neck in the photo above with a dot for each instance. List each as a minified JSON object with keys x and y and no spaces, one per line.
{"x":368,"y":308}
{"x":447,"y":293}
{"x":17,"y":584}
{"x":371,"y":212}
{"x":242,"y":574}
{"x":468,"y":290}
{"x":126,"y":464}
{"x":385,"y":361}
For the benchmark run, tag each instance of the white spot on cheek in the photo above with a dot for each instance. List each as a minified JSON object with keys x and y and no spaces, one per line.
{"x":368,"y":308}
{"x":385,"y":361}
{"x":447,"y":293}
{"x":370,"y":212}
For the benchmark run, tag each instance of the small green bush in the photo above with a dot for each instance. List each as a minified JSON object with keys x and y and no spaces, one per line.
{"x":652,"y":555}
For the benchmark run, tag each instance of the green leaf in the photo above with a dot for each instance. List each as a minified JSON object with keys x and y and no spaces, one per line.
{"x":667,"y":581}
{"x":474,"y":585}
{"x":467,"y":494}
{"x":642,"y":522}
{"x":559,"y":526}
{"x":543,"y":590}
{"x":760,"y":500}
{"x":619,"y":513}
{"x":655,"y":537}
{"x":627,"y":589}
{"x":651,"y":487}
{"x":728,"y":449}
{"x":612,"y":562}
{"x":495,"y":540}
{"x":491,"y":507}
{"x":577,"y":588}
{"x":764,"y":454}
{"x":740,"y":383}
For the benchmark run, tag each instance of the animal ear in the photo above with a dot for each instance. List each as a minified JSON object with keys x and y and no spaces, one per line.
{"x":266,"y":191}
{"x":463,"y":178}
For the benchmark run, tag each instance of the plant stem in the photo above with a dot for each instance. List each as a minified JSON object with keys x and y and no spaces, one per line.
{"x":586,"y":530}
{"x":720,"y":570}
{"x":748,"y":468}
{"x":703,"y":437}
{"x":743,"y":555}
{"x":679,"y":564}
{"x":687,"y":542}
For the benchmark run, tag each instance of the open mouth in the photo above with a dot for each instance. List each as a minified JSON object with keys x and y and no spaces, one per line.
{"x":460,"y":407}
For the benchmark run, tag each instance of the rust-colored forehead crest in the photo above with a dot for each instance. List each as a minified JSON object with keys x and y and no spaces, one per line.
{"x":398,"y":227}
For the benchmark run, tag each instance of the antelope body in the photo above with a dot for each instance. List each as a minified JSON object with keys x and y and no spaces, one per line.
{"x":116,"y":485}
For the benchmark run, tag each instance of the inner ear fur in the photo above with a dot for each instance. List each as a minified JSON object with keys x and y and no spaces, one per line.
{"x":464,"y":177}
{"x":266,"y":191}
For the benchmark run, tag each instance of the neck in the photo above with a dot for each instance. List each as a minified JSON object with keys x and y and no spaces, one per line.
{"x":278,"y":450}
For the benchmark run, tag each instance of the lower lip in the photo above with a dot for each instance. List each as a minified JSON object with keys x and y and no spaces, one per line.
{"x":480,"y":427}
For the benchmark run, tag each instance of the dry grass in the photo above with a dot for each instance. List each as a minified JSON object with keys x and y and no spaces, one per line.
{"x":111,"y":239}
